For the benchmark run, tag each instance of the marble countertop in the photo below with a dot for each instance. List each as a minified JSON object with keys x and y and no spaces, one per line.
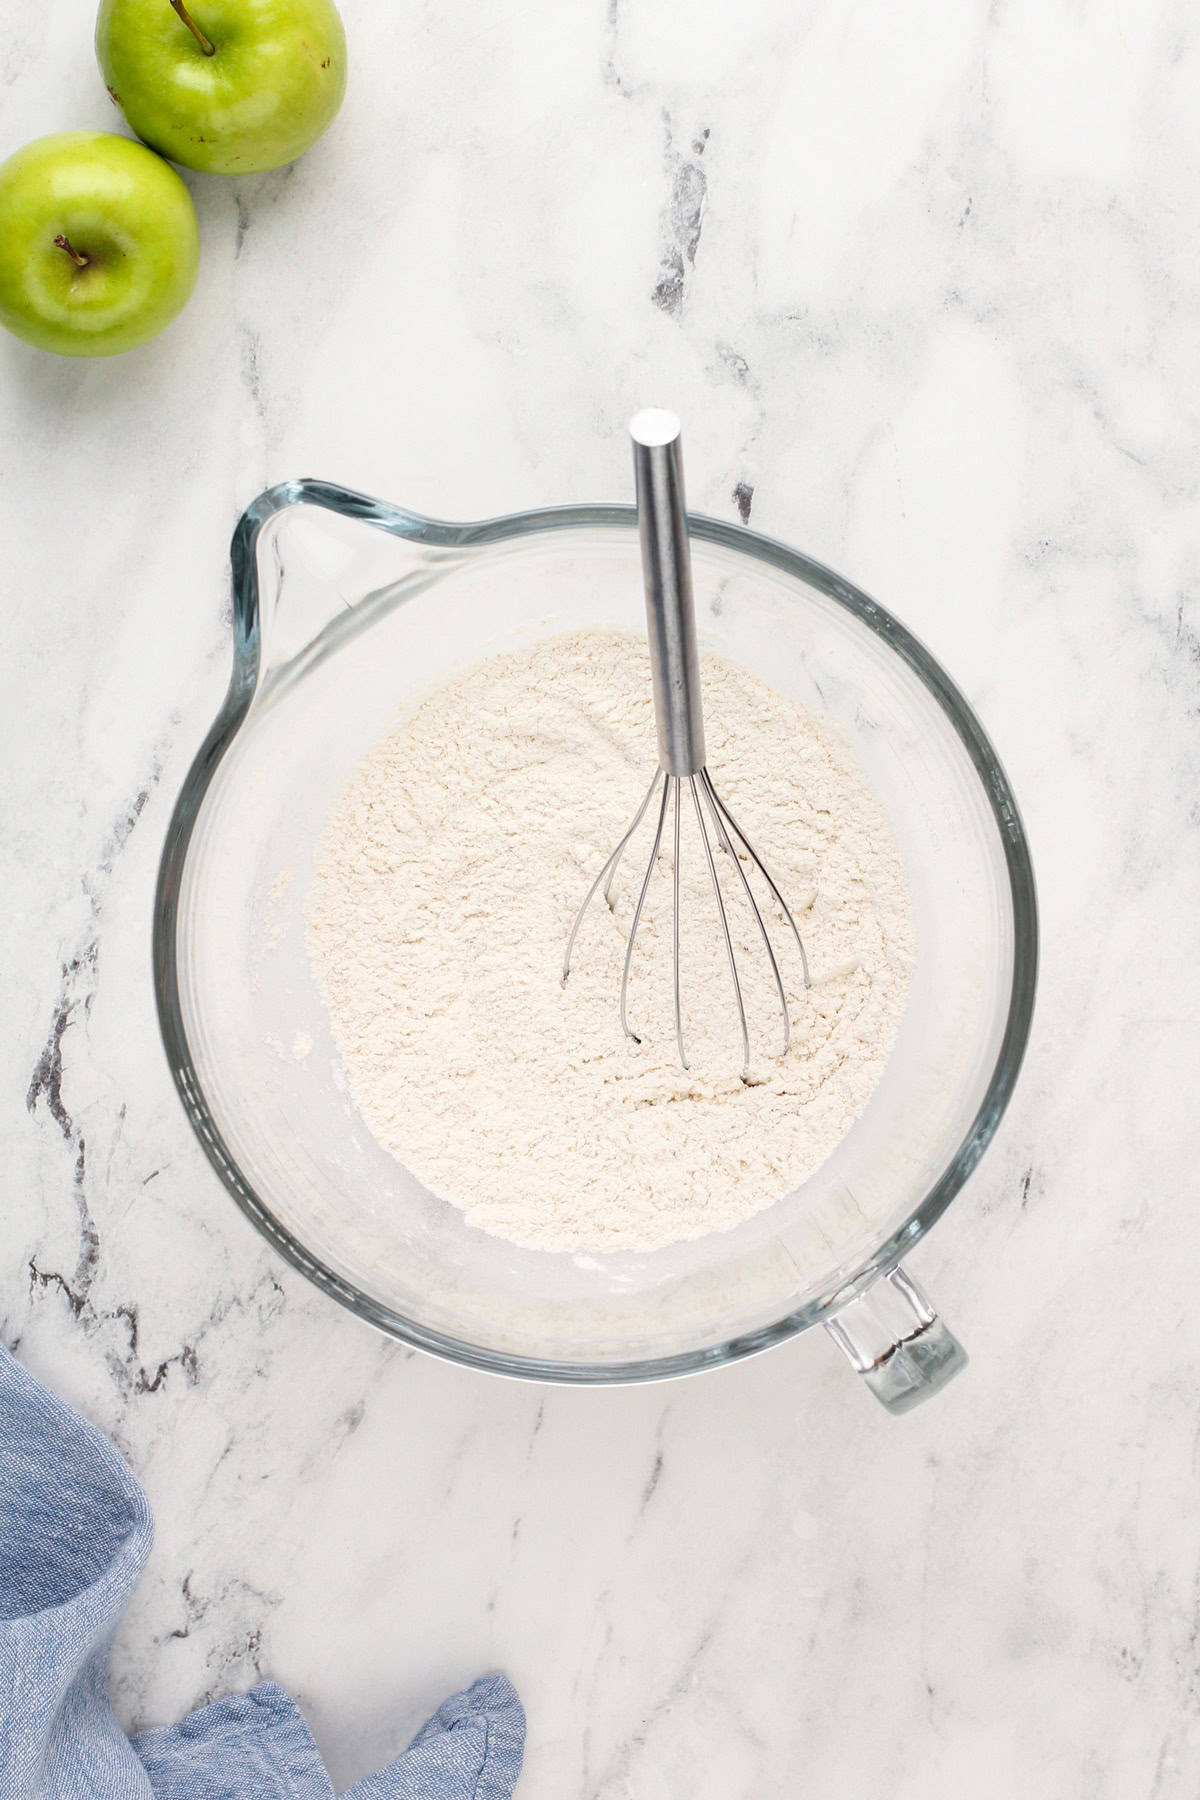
{"x":924,"y":284}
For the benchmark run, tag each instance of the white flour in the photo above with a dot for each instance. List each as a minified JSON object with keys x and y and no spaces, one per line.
{"x":448,"y":878}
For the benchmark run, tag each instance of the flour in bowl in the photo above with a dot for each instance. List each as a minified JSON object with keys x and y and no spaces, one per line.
{"x":447,"y":881}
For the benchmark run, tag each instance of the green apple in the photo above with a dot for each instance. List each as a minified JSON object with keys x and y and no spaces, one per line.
{"x":99,"y":244}
{"x":231,"y":86}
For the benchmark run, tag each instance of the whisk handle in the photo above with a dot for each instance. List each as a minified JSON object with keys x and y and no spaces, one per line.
{"x":667,"y":576}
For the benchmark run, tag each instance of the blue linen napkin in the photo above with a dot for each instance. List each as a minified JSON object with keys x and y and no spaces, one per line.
{"x":75,"y":1531}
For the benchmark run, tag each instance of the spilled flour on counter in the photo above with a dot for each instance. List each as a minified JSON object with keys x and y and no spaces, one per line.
{"x":447,"y":881}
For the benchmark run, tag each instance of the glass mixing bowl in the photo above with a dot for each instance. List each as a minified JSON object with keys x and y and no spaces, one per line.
{"x":346,"y":608}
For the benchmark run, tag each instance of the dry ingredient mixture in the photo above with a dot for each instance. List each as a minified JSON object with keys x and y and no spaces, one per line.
{"x":448,"y":878}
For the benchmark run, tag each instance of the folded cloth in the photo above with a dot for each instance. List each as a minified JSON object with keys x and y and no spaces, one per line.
{"x":75,"y":1531}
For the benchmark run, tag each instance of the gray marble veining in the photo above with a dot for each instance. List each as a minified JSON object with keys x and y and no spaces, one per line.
{"x":925,"y":285}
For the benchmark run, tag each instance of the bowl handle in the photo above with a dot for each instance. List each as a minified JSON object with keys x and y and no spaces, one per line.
{"x":896,"y":1341}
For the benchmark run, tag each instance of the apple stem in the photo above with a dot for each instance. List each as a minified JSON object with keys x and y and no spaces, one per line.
{"x":64,"y":243}
{"x":206,"y":44}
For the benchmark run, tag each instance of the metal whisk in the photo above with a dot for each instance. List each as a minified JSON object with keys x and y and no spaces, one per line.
{"x":679,"y":716}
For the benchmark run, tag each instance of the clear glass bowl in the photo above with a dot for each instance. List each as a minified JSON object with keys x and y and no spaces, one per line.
{"x":344,"y":609}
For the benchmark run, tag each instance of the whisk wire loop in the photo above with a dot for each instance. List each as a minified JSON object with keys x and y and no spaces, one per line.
{"x":706,"y":787}
{"x":608,"y":873}
{"x":756,"y":859}
{"x":675,"y":934}
{"x":637,"y":912}
{"x":733,"y":969}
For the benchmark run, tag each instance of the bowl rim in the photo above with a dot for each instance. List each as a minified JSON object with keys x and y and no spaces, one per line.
{"x":400,"y":522}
